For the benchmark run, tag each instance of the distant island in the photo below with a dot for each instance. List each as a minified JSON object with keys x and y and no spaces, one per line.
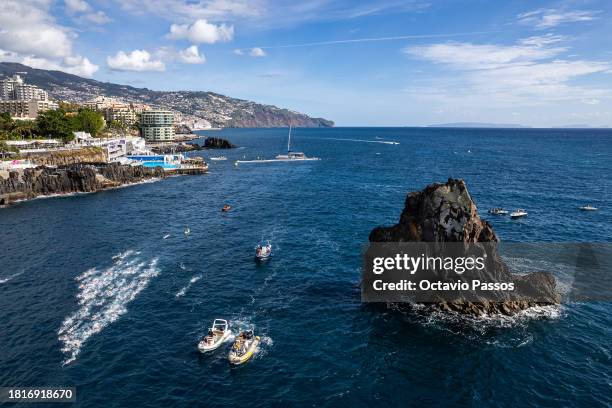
{"x":479,"y":125}
{"x":219,"y":110}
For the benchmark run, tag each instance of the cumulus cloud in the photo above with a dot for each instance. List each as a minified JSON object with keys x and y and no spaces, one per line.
{"x":252,"y":52}
{"x":530,"y":69}
{"x":191,"y":55}
{"x":76,"y":65}
{"x":28,"y":34}
{"x":77,"y":6}
{"x":257,"y":52}
{"x":137,"y":60}
{"x":82,"y":10}
{"x":201,"y":31}
{"x":547,"y":18}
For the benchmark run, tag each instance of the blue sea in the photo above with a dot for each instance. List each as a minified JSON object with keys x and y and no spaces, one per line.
{"x":92,"y":295}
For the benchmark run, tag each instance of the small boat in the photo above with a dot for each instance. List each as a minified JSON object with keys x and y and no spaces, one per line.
{"x":166,"y":236}
{"x":217,"y":334}
{"x":588,"y":207}
{"x":218,"y":158}
{"x":518,"y":213}
{"x":226,"y":208}
{"x":187,"y":231}
{"x":263,"y":251}
{"x":243,"y":348}
{"x":498,"y":211}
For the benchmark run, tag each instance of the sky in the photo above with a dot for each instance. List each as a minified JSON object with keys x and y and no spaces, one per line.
{"x":376,"y":63}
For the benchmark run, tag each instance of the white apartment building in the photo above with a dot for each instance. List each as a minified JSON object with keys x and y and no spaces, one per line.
{"x":121,"y":113}
{"x":15,"y":89}
{"x":20,"y":109}
{"x":23,"y":101}
{"x":115,"y":147}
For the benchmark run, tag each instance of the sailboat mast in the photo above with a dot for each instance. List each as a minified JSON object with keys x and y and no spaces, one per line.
{"x":289,"y":140}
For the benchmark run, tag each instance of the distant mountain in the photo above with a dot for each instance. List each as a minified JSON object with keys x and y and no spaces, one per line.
{"x":219,"y":110}
{"x":574,"y":126}
{"x":478,"y":125}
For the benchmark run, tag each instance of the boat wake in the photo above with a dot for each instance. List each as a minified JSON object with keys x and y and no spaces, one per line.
{"x":389,"y":142}
{"x":8,"y":278}
{"x":103,"y":297}
{"x":184,"y":290}
{"x":263,"y":346}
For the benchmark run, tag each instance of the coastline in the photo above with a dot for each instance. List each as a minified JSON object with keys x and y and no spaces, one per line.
{"x":62,"y":181}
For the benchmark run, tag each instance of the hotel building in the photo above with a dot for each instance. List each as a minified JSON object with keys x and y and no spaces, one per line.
{"x":157,"y":125}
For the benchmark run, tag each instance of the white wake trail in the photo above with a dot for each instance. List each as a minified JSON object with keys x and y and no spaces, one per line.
{"x":184,"y":290}
{"x":103,"y":297}
{"x":8,"y":278}
{"x":389,"y":142}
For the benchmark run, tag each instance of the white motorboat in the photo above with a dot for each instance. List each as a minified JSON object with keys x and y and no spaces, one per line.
{"x":263,"y":251}
{"x":518,"y":213}
{"x":588,"y":207}
{"x":289,"y":157}
{"x":498,"y":211}
{"x":218,"y":158}
{"x":244,"y":347}
{"x":217,"y":334}
{"x":187,"y":231}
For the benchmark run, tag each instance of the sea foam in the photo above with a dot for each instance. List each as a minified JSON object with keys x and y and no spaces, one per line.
{"x":103,"y":297}
{"x":184,"y":290}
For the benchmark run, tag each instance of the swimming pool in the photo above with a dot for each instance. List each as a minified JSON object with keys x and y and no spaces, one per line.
{"x":160,"y":164}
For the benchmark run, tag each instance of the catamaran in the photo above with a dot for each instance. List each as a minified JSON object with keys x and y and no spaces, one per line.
{"x":289,"y":157}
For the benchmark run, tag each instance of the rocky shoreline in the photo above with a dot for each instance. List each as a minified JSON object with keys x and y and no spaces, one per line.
{"x":75,"y":178}
{"x":446,"y":213}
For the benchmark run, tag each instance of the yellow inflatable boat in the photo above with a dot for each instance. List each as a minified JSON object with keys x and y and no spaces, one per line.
{"x":244,"y":347}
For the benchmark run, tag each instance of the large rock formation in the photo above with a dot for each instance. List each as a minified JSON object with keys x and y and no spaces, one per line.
{"x":217,"y":143}
{"x":172,"y":148}
{"x":446,"y":213}
{"x":30,"y":183}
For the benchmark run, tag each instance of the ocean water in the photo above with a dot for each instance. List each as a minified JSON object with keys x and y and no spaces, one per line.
{"x":93,"y":296}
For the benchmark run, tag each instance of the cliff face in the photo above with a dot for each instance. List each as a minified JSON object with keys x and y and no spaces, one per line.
{"x":446,"y":213}
{"x":30,"y":183}
{"x":64,"y":158}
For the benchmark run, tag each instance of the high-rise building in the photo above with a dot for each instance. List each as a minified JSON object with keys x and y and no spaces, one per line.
{"x":21,"y":100}
{"x":15,"y":89}
{"x":157,"y":125}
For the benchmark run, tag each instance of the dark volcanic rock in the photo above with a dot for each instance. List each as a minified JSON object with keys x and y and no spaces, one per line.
{"x":217,"y":143}
{"x":446,"y":213}
{"x":76,"y":178}
{"x":171,"y":148}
